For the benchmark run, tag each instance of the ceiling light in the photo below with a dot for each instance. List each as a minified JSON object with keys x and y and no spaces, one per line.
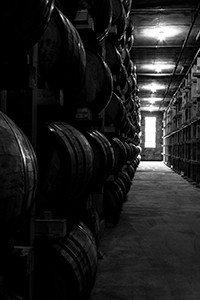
{"x":161,"y":32}
{"x":158,"y":66}
{"x":149,"y":108}
{"x":152,"y":99}
{"x":161,"y":35}
{"x":153,"y":87}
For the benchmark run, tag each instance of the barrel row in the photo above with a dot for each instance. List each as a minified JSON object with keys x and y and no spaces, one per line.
{"x":121,"y":105}
{"x":69,"y":159}
{"x":78,"y":163}
{"x":123,"y":108}
{"x":25,"y":23}
{"x":127,"y":156}
{"x":116,"y":192}
{"x":72,"y":162}
{"x":66,"y":267}
{"x":74,"y":257}
{"x":65,"y":62}
{"x":60,"y":61}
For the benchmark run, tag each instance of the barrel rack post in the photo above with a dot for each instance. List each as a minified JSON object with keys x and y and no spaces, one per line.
{"x":19,"y":103}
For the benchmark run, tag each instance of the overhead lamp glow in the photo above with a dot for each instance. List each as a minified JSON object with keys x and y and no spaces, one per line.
{"x":161,"y":32}
{"x":158,"y":66}
{"x":153,"y":87}
{"x":161,"y":35}
{"x":149,"y":108}
{"x":152,"y":99}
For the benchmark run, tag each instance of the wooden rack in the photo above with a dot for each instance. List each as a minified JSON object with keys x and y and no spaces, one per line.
{"x":182,"y":127}
{"x":22,"y":103}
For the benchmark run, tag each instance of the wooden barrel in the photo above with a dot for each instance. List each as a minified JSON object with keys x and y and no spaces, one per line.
{"x":127,"y":89}
{"x":131,"y":130}
{"x":125,"y":57}
{"x":127,"y":6}
{"x":87,"y":158}
{"x":129,"y":36}
{"x":122,"y":118}
{"x":119,"y":181}
{"x":109,"y":151}
{"x":112,"y":56}
{"x":138,"y":159}
{"x":121,"y":42}
{"x":135,"y":150}
{"x":128,"y":149}
{"x":66,"y":166}
{"x":122,"y":77}
{"x":103,"y":156}
{"x":99,"y":158}
{"x":133,"y":82}
{"x":118,"y":18}
{"x":114,"y":110}
{"x":120,"y":153}
{"x":91,"y":219}
{"x":125,"y":125}
{"x":68,"y":8}
{"x":97,"y":9}
{"x":130,"y":68}
{"x":124,"y":176}
{"x":132,"y":150}
{"x":74,"y":264}
{"x":130,"y":42}
{"x":132,"y":65}
{"x":112,"y":202}
{"x":18,"y":176}
{"x":130,"y":105}
{"x":62,"y":58}
{"x":117,"y":8}
{"x":118,"y":191}
{"x":22,"y":24}
{"x":130,"y":169}
{"x":136,"y":139}
{"x":98,"y":84}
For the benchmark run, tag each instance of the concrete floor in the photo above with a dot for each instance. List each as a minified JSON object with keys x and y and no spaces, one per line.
{"x":154,"y":251}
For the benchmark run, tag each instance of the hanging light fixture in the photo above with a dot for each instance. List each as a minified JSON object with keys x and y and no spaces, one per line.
{"x":149,"y":108}
{"x":153,"y":87}
{"x":161,"y":32}
{"x":152,"y":99}
{"x":159,"y":66}
{"x":161,"y":35}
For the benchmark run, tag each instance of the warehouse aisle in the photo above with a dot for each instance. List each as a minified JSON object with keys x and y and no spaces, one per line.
{"x":154,"y":251}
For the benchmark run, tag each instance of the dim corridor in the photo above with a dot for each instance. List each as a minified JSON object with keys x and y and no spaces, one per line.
{"x":153,"y":253}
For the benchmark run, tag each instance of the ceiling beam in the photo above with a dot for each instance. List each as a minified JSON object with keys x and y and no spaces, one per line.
{"x":159,"y":74}
{"x":156,"y":10}
{"x":165,"y":46}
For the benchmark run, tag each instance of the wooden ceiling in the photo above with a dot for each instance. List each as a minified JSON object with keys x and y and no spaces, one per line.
{"x":172,"y":56}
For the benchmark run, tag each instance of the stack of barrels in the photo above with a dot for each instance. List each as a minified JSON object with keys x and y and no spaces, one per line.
{"x":83,"y":50}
